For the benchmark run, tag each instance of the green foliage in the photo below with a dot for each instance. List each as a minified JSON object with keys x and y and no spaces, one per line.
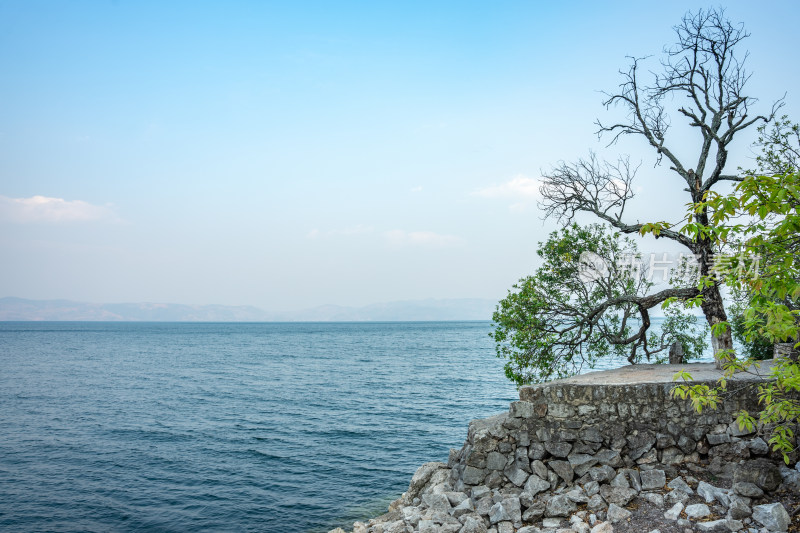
{"x":578,"y":307}
{"x":768,"y":239}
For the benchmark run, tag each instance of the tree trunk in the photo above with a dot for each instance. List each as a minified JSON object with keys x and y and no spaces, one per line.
{"x":714,"y":310}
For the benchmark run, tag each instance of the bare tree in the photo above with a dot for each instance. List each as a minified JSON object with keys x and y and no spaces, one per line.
{"x":704,"y":71}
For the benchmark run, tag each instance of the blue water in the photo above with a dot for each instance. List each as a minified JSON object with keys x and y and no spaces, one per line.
{"x":234,"y":427}
{"x":230,"y":427}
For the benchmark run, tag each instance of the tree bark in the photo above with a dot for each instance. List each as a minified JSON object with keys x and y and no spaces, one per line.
{"x":714,"y":310}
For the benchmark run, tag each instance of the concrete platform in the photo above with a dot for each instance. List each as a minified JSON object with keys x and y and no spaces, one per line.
{"x":651,"y":373}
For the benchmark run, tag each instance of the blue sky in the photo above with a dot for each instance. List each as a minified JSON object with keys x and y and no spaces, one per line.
{"x":293,"y":154}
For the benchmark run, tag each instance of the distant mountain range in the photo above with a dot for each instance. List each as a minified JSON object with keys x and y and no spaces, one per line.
{"x":411,"y":310}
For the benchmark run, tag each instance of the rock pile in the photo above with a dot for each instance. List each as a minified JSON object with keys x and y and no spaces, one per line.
{"x":578,"y":457}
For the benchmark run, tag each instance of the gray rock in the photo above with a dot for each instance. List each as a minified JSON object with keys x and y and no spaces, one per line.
{"x":558,"y":449}
{"x":436,"y":502}
{"x":463,"y":508}
{"x":498,"y":513}
{"x":581,"y":462}
{"x":653,"y":479}
{"x":618,"y":495}
{"x":505,"y":527}
{"x":674,"y":512}
{"x":748,"y":490}
{"x":676,"y":496}
{"x":616,"y":513}
{"x":716,"y":526}
{"x":679,"y":484}
{"x":653,"y":497}
{"x":739,"y":509}
{"x":529,"y":529}
{"x":578,"y":496}
{"x":473,"y":476}
{"x":762,"y":472}
{"x":539,"y":469}
{"x":496,"y":461}
{"x":534,"y":485}
{"x":603,"y":527}
{"x":512,"y":506}
{"x":686,"y":444}
{"x":591,"y":488}
{"x":479,"y":492}
{"x":772,"y":516}
{"x":596,"y":503}
{"x":549,"y":523}
{"x":426,"y":526}
{"x":672,"y":456}
{"x":515,"y":474}
{"x":758,"y":446}
{"x":791,"y":478}
{"x":563,"y":469}
{"x":609,"y":458}
{"x":534,"y":513}
{"x":522,"y":410}
{"x":719,"y":438}
{"x":559,"y":505}
{"x":484,"y":505}
{"x":473,"y":525}
{"x":456,"y":498}
{"x":635,"y":478}
{"x":707,"y":491}
{"x":602,"y":473}
{"x":734,"y":525}
{"x":536,"y":451}
{"x":698,"y":510}
{"x":620,"y":480}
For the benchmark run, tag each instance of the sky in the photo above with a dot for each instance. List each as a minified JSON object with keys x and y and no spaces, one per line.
{"x":293,"y":154}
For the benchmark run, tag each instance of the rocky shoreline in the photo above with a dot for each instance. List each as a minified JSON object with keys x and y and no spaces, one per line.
{"x":609,"y":453}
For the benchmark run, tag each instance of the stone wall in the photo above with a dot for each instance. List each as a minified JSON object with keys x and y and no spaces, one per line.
{"x":568,"y":428}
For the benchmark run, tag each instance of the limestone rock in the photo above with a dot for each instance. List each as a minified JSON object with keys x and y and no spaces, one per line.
{"x":748,"y":490}
{"x":617,"y":495}
{"x":653,"y":479}
{"x":679,"y":484}
{"x":762,"y":472}
{"x":603,"y":527}
{"x":559,"y":505}
{"x":563,"y":469}
{"x":616,"y":513}
{"x":698,"y":510}
{"x":473,"y":525}
{"x":675,"y":512}
{"x":534,"y":485}
{"x":772,"y":516}
{"x":716,"y":526}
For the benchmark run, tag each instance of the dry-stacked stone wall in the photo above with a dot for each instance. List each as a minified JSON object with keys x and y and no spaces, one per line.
{"x":570,"y":428}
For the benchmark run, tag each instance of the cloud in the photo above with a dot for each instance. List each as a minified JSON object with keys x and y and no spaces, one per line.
{"x":46,"y":209}
{"x":422,"y":238}
{"x":418,"y":188}
{"x":520,"y":188}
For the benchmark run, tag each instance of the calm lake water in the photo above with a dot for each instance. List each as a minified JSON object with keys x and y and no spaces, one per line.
{"x":236,"y":427}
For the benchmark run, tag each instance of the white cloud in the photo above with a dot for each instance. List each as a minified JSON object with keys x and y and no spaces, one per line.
{"x":422,"y":238}
{"x":418,"y":188}
{"x":46,"y":209}
{"x":520,"y":188}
